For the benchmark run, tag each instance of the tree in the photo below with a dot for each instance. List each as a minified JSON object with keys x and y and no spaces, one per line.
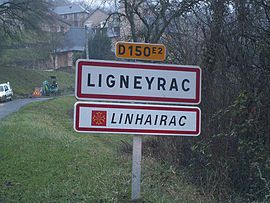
{"x":21,"y":23}
{"x":23,"y":15}
{"x":100,"y":46}
{"x":54,"y":41}
{"x":148,"y":20}
{"x":229,"y":39}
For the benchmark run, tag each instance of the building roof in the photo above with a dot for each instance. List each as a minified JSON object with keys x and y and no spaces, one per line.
{"x":74,"y":40}
{"x":72,"y":8}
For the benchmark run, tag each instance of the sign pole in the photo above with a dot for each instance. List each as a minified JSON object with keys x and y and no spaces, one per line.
{"x":136,"y":167}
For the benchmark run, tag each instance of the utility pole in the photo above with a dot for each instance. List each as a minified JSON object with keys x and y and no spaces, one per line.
{"x":86,"y":43}
{"x":115,"y":6}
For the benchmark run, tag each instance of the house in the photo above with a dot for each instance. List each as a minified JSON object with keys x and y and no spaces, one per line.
{"x":82,"y":24}
{"x":98,"y":19}
{"x":95,"y":18}
{"x":74,"y":38}
{"x":74,"y":14}
{"x":73,"y":43}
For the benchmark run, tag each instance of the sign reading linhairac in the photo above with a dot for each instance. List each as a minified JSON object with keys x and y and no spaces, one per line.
{"x":97,"y":117}
{"x":137,"y":82}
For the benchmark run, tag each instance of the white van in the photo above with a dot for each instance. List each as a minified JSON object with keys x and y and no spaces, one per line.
{"x":6,"y":92}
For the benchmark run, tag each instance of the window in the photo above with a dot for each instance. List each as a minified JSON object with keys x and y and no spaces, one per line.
{"x":6,"y":88}
{"x":1,"y":89}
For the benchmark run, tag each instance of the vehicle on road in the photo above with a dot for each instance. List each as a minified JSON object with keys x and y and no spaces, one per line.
{"x":50,"y":86}
{"x":6,"y":92}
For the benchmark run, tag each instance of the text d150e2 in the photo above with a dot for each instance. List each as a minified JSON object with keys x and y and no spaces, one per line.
{"x":141,"y":51}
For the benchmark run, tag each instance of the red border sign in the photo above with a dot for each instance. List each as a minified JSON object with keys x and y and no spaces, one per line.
{"x":99,"y":126}
{"x":137,"y":67}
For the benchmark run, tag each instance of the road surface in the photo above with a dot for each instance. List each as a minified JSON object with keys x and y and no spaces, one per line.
{"x":7,"y":108}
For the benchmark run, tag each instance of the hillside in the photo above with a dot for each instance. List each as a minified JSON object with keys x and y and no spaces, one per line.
{"x":23,"y":81}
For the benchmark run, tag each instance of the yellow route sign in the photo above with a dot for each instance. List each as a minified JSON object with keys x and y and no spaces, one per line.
{"x":142,"y":51}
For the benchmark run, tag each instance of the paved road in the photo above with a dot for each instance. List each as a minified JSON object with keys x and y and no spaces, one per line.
{"x":13,"y":106}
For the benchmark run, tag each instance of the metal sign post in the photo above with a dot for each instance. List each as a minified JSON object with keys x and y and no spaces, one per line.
{"x":136,"y":167}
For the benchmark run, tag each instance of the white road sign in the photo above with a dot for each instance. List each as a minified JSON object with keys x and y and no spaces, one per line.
{"x":137,"y":82}
{"x":136,"y":119}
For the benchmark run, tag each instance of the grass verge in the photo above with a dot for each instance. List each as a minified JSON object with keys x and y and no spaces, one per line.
{"x":42,"y":159}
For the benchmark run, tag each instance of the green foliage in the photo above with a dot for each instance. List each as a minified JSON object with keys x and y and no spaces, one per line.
{"x":248,"y":137}
{"x":76,"y":56}
{"x":100,"y":46}
{"x":230,"y":41}
{"x":21,"y":27}
{"x":18,"y":15}
{"x":235,"y":161}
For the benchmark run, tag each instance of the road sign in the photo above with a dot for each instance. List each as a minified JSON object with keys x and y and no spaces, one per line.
{"x":137,"y":82}
{"x":138,"y":119}
{"x":142,"y":51}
